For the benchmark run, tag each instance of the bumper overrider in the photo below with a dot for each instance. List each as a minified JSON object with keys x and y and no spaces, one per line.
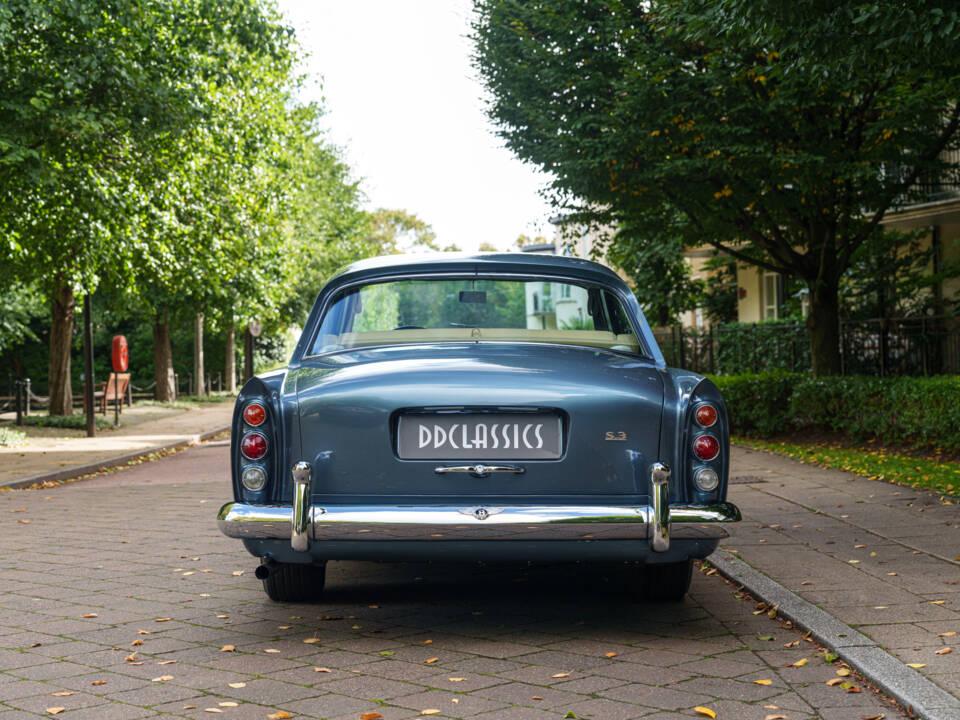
{"x":305,"y":522}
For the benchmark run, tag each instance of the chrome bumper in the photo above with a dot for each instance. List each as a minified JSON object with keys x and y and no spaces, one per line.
{"x":302,"y":522}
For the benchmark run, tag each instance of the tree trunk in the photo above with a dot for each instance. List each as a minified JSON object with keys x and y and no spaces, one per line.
{"x":198,"y":354}
{"x":165,"y":390}
{"x":61,"y":340}
{"x":823,"y":326}
{"x":230,"y":360}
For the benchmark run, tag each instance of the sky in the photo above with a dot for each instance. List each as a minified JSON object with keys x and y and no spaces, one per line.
{"x":404,"y":104}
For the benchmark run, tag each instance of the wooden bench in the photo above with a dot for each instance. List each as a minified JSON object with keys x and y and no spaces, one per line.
{"x":115,"y":389}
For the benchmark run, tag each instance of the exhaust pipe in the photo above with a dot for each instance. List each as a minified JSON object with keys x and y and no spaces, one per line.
{"x":265,"y":569}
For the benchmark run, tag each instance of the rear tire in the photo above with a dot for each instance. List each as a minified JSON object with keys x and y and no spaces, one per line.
{"x":295,"y":582}
{"x":668,"y":582}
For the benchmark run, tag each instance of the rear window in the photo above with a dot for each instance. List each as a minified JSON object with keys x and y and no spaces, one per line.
{"x":475,"y":310}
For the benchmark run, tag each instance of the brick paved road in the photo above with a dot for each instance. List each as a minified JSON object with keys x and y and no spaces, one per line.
{"x":91,"y":569}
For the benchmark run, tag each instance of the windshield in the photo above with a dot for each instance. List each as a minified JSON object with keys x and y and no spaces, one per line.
{"x":475,"y":310}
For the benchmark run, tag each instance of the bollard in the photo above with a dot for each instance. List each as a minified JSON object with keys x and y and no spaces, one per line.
{"x":26,"y":396}
{"x":176,"y":386}
{"x":17,"y":391}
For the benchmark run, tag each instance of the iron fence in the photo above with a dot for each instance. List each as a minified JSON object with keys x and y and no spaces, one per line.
{"x":886,"y":346}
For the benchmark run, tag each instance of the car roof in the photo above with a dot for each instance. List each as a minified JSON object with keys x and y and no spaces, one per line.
{"x":516,"y":262}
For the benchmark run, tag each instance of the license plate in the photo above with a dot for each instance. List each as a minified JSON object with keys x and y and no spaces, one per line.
{"x":480,"y":437}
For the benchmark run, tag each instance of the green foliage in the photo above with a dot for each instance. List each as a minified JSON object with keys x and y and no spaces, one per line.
{"x":764,"y":129}
{"x":74,"y":422}
{"x":922,"y":411}
{"x":720,"y":293}
{"x":761,"y":347}
{"x":19,"y":305}
{"x":10,"y":437}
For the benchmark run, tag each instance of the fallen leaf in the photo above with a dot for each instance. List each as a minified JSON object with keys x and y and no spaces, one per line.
{"x":778,"y":716}
{"x":610,"y":655}
{"x":55,"y":710}
{"x":311,"y":641}
{"x":272,"y":651}
{"x":213,"y":710}
{"x":430,"y":711}
{"x":138,"y":641}
{"x":426,"y":642}
{"x":322,"y":669}
{"x":536,"y":697}
{"x":834,"y":681}
{"x":937,"y":602}
{"x":89,"y":615}
{"x":237,"y":685}
{"x":27,"y":522}
{"x":280,"y":715}
{"x":764,"y":637}
{"x":877,"y":716}
{"x":131,"y":657}
{"x":947,"y":634}
{"x":881,"y":607}
{"x":206,"y":570}
{"x":237,"y":573}
{"x":62,"y":693}
{"x":800,"y":663}
{"x":284,"y":627}
{"x":189,"y":707}
{"x":916,"y":666}
{"x":162,"y":678}
{"x":162,"y":620}
{"x":456,"y":679}
{"x":762,"y":682}
{"x":387,"y":653}
{"x":228,"y":703}
{"x":843,"y":672}
{"x":859,"y":546}
{"x":143,"y":632}
{"x":33,"y":645}
{"x":228,"y":648}
{"x":430,"y":661}
{"x":853,"y":689}
{"x":222,"y":617}
{"x":371,"y":716}
{"x":704,"y":711}
{"x":892,"y":574}
{"x":853,"y":562}
{"x":792,"y":643}
{"x":944,"y":651}
{"x":187,"y":573}
{"x":560,"y":675}
{"x":166,"y":662}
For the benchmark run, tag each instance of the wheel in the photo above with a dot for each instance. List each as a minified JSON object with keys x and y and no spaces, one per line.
{"x":666,"y":582}
{"x":295,"y":582}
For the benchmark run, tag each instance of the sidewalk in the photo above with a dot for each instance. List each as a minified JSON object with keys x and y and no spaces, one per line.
{"x":882,"y":558}
{"x":66,"y":457}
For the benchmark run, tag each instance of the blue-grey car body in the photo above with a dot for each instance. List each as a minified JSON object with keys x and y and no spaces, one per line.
{"x":622,"y":415}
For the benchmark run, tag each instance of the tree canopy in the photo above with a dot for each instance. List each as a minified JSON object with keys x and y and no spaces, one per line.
{"x":777,"y":133}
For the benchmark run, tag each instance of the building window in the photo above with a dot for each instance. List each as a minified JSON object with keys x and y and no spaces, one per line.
{"x":771,"y":296}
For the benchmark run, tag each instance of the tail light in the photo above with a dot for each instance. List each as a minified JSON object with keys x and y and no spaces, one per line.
{"x":254,"y":414}
{"x":706,"y":447}
{"x":706,"y":415}
{"x":253,"y":446}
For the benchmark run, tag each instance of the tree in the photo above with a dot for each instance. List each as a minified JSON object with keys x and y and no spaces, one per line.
{"x":400,"y":231}
{"x":778,"y":133}
{"x":112,"y":114}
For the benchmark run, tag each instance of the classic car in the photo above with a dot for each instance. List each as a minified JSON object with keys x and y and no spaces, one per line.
{"x":504,"y":406}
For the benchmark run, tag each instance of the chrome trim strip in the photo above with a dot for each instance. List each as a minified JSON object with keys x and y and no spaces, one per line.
{"x":480,"y":470}
{"x":301,"y":513}
{"x":547,"y":522}
{"x":660,"y":505}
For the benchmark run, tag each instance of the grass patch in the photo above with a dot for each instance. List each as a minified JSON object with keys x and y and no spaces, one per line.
{"x":71,"y":422}
{"x":189,"y":402}
{"x":876,"y":464}
{"x":9,"y":437}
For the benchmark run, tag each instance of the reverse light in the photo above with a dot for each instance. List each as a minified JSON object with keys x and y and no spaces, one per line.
{"x":253,"y":478}
{"x":706,"y":479}
{"x":706,"y":447}
{"x":706,"y":415}
{"x":253,"y":446}
{"x":254,"y":414}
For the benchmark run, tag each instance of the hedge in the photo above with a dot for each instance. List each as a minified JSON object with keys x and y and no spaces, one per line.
{"x":899,"y":410}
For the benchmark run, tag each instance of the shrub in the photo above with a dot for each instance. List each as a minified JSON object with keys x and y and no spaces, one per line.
{"x":907,"y":410}
{"x":12,"y":438}
{"x":75,"y":422}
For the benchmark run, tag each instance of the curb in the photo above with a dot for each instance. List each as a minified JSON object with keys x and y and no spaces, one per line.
{"x":908,"y":687}
{"x":78,"y":470}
